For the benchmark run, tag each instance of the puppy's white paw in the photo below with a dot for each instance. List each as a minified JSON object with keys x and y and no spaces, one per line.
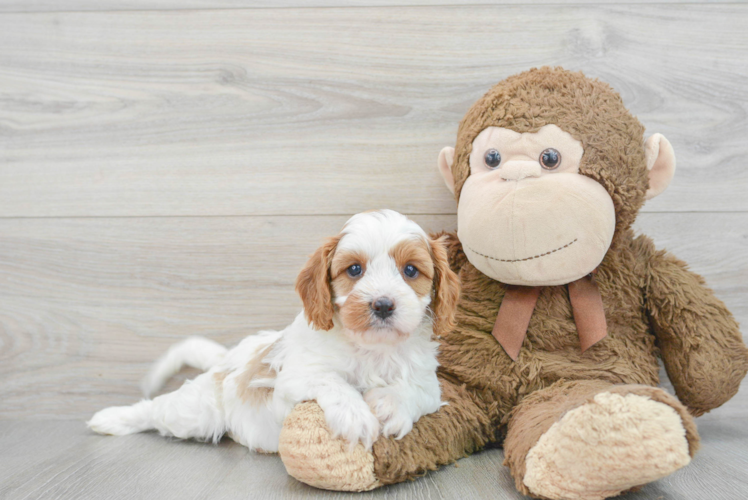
{"x":118,"y":421}
{"x":354,"y":421}
{"x":390,"y":412}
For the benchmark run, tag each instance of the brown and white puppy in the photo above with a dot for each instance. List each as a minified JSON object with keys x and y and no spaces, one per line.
{"x":374,"y":296}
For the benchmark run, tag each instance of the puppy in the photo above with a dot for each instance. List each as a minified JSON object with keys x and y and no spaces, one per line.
{"x":374,"y":296}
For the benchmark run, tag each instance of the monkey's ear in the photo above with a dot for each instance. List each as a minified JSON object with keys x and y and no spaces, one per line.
{"x":446,"y":157}
{"x":660,"y":163}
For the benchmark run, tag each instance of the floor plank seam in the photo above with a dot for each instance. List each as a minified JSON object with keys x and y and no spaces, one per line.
{"x":388,"y":6}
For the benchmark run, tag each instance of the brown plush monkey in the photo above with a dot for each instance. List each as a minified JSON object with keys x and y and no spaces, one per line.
{"x":563,"y":314}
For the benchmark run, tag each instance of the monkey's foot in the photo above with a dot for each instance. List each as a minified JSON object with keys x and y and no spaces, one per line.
{"x":314,"y":457}
{"x":606,"y":446}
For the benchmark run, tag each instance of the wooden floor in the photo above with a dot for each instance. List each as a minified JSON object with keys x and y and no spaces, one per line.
{"x":166,"y":167}
{"x":62,"y":460}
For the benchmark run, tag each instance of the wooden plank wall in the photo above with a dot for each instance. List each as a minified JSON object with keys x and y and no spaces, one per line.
{"x":166,"y":167}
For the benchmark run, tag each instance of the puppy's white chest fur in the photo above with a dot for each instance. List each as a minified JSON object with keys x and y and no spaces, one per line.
{"x":383,"y":365}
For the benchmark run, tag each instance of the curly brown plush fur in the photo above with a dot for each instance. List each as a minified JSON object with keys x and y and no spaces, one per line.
{"x":655,"y":307}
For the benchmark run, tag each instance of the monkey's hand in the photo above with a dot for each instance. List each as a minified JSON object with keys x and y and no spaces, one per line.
{"x":701,"y":346}
{"x":313,"y":456}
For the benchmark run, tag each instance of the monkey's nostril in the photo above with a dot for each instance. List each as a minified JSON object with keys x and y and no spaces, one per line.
{"x":383,"y":307}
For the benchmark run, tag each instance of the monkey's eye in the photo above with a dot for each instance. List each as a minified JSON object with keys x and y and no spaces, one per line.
{"x":550,"y":159}
{"x":354,"y":271}
{"x":492,"y":158}
{"x":410,"y":271}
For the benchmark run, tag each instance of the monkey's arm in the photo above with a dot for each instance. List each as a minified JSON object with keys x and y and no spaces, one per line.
{"x":700,"y":343}
{"x":455,"y":253}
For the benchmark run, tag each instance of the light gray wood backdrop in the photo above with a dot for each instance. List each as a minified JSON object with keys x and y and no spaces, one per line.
{"x":167,"y":166}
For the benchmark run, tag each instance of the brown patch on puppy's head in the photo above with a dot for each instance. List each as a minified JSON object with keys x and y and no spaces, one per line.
{"x":314,"y":286}
{"x":342,"y":282}
{"x":434,"y":277}
{"x":355,"y":313}
{"x":416,"y":253}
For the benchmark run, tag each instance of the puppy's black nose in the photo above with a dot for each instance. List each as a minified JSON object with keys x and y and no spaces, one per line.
{"x":383,"y":307}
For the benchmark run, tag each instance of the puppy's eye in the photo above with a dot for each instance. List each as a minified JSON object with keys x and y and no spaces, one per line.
{"x":410,"y":271}
{"x":492,"y":158}
{"x":354,"y":271}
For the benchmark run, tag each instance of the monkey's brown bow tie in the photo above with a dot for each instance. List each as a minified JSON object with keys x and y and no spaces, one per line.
{"x":519,"y":303}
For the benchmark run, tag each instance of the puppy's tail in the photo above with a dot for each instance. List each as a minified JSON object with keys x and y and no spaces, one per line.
{"x":197,"y":352}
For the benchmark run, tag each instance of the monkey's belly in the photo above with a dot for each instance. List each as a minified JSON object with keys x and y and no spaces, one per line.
{"x":612,"y":360}
{"x":551,"y":350}
{"x":616,"y":359}
{"x":626,"y":356}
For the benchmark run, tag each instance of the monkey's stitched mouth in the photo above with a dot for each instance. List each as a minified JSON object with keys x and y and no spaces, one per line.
{"x":526,"y":258}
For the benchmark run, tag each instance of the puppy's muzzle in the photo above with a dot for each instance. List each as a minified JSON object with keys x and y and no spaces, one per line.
{"x":383,"y":307}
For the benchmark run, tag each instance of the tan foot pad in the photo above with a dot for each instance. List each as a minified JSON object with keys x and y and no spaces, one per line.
{"x":600,"y":449}
{"x":314,"y":457}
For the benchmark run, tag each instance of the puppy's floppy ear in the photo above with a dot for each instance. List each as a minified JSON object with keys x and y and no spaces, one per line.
{"x":446,"y":288}
{"x":313,"y":286}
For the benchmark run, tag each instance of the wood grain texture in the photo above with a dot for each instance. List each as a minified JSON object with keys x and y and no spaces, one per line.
{"x":118,"y":5}
{"x":86,"y":305}
{"x":334,"y":111}
{"x":63,"y":460}
{"x":166,"y":167}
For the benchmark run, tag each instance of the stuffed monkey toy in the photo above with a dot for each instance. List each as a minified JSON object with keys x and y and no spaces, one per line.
{"x":564,"y":313}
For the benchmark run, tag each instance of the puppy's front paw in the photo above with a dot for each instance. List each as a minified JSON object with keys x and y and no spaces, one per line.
{"x":390,"y":412}
{"x":353,"y":421}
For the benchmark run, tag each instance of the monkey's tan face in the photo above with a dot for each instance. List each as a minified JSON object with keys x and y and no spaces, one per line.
{"x":526,"y":216}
